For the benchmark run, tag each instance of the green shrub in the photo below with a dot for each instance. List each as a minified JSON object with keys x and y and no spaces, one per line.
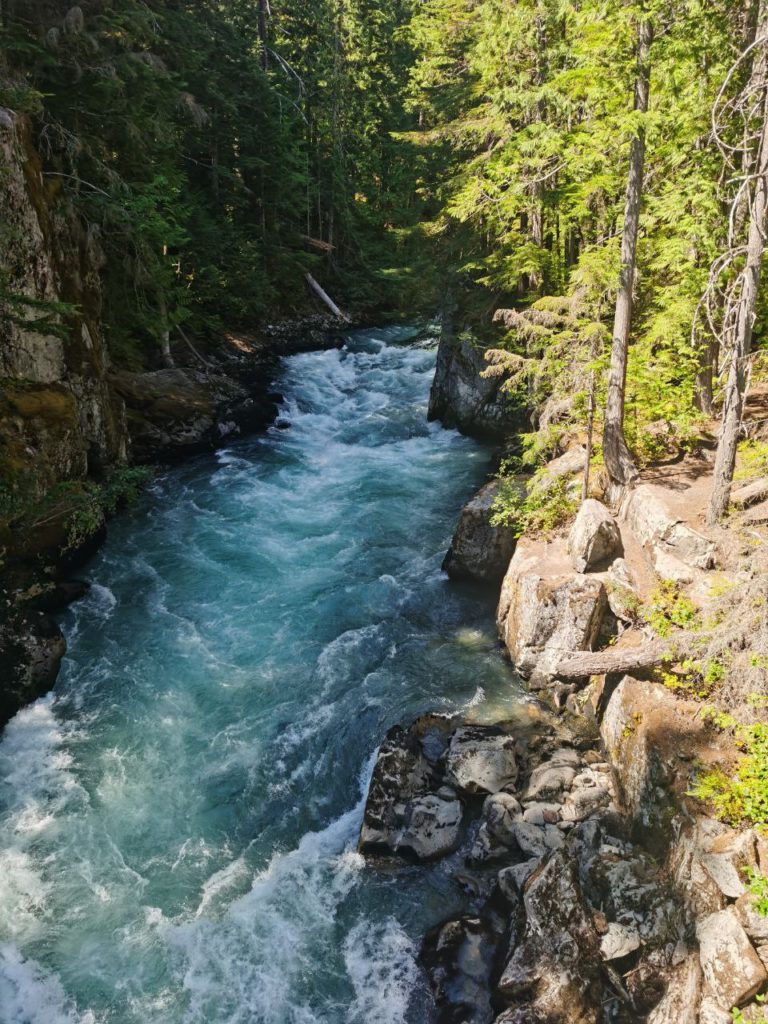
{"x":743,"y":796}
{"x":535,"y":510}
{"x":668,"y":607}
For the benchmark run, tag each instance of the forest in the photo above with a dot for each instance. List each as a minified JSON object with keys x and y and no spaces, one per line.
{"x":557,"y":160}
{"x":383,"y":512}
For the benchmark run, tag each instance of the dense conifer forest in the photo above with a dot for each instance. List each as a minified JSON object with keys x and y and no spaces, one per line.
{"x":591,"y":168}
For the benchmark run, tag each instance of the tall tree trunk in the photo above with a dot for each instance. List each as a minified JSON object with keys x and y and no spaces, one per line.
{"x":165,"y":332}
{"x":618,"y":461}
{"x":262,"y":29}
{"x":705,"y":376}
{"x":736,"y":386}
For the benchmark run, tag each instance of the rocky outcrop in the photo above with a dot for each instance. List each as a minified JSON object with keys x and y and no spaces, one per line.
{"x":654,"y":522}
{"x":546,"y":610}
{"x":405,"y":812}
{"x":479,"y":551}
{"x":462,"y":398}
{"x":174,"y":413}
{"x":58,"y":416}
{"x":31,"y":649}
{"x":563,"y":903}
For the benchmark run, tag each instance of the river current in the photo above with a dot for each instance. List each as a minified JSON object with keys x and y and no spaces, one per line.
{"x":178,"y":820}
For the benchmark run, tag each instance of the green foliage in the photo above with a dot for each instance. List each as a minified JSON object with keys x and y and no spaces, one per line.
{"x":83,"y":506}
{"x":752,"y":459}
{"x":536,"y":509}
{"x":758,"y":889}
{"x":742,"y":796}
{"x":668,"y":608}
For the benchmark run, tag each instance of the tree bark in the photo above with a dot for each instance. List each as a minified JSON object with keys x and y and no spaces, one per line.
{"x":618,"y":461}
{"x":262,"y":28}
{"x":325,"y":297}
{"x":738,"y":375}
{"x":581,"y":664}
{"x":165,"y":333}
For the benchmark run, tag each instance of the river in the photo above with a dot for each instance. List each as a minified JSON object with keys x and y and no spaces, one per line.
{"x":179,"y":818}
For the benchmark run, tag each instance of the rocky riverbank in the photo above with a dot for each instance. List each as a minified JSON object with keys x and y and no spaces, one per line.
{"x":597,"y":888}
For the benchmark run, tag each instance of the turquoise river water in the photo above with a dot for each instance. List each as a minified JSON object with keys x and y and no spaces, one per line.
{"x":178,"y":820}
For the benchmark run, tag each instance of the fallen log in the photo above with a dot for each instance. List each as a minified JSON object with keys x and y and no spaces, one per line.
{"x":326,"y":298}
{"x":580,"y":664}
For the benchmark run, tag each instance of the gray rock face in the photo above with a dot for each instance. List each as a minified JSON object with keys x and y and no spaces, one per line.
{"x":461,"y":398}
{"x":545,"y":617}
{"x":478,"y":550}
{"x":679,"y":1004}
{"x":659,"y":529}
{"x":754,"y":924}
{"x":555,"y":966}
{"x":594,"y":538}
{"x":625,"y":730}
{"x":432,"y":827}
{"x":623,"y":598}
{"x":481,"y":759}
{"x":400,"y":775}
{"x":733,"y":972}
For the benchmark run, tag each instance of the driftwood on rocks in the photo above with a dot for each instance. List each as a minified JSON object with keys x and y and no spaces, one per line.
{"x":580,"y":664}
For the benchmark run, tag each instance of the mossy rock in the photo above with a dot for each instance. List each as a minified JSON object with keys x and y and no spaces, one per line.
{"x":54,"y":404}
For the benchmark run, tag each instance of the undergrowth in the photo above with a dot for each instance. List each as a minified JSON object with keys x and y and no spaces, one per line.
{"x":83,"y":505}
{"x":740,"y":797}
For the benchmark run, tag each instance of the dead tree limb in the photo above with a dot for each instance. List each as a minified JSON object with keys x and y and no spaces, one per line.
{"x":326,"y":298}
{"x":580,"y":664}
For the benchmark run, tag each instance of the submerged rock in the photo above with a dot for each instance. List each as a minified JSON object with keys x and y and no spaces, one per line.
{"x":458,"y":956}
{"x":478,"y":550}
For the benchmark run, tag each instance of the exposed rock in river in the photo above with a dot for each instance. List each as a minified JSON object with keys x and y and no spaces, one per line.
{"x":31,"y":649}
{"x":478,"y":550}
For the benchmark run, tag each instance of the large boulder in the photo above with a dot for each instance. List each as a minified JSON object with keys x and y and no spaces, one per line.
{"x":733,"y":972}
{"x":176,"y":412}
{"x":594,"y":539}
{"x":544,"y":615}
{"x":462,"y":398}
{"x":556,"y":966}
{"x":680,"y":1002}
{"x":478,"y":550}
{"x":648,"y":512}
{"x":481,"y":759}
{"x":407,"y":811}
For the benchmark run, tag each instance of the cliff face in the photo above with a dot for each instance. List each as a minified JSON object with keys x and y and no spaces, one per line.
{"x":462,"y":398}
{"x":59,"y":419}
